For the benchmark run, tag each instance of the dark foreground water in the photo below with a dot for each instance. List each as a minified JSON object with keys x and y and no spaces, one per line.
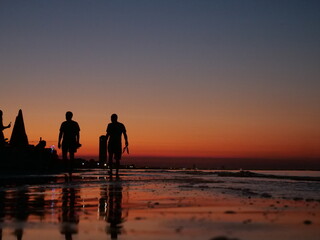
{"x":161,"y":204}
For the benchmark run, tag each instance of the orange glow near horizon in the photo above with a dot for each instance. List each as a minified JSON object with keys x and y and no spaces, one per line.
{"x":167,"y":138}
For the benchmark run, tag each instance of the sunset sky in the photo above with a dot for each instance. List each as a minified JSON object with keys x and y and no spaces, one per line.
{"x":186,"y":77}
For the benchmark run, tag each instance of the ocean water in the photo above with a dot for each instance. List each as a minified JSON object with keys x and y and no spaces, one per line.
{"x":306,"y":185}
{"x":161,"y":204}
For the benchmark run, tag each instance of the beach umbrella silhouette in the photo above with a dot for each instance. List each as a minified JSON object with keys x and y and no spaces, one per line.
{"x":19,"y":136}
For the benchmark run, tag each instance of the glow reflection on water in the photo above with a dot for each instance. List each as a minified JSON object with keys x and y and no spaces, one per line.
{"x":145,"y":204}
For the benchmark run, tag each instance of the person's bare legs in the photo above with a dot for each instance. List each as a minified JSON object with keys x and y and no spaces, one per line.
{"x":110,"y":162}
{"x":65,"y":158}
{"x":71,"y":161}
{"x":117,"y":167}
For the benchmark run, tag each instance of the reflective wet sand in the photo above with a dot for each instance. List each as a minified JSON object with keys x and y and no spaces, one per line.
{"x":153,"y":204}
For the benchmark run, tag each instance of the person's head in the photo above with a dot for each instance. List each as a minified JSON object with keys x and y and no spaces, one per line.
{"x":69,"y":115}
{"x":114,"y":118}
{"x":1,"y":113}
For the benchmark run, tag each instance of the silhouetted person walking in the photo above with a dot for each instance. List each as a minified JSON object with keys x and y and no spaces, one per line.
{"x":115,"y":130}
{"x":2,"y":139}
{"x":70,"y":133}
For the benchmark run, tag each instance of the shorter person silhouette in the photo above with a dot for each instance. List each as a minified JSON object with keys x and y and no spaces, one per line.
{"x":70,"y":133}
{"x":2,"y":139}
{"x":115,"y":130}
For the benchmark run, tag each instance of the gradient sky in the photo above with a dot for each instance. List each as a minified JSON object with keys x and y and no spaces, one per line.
{"x":186,"y":77}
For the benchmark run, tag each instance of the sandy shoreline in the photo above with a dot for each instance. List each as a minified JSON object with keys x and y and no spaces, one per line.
{"x":157,"y":205}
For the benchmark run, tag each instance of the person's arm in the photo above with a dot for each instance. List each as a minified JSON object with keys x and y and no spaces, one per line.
{"x":4,"y":127}
{"x":126,"y":139}
{"x":60,"y":137}
{"x":78,"y":137}
{"x":78,"y":134}
{"x":125,"y":136}
{"x":107,"y":134}
{"x":9,"y":125}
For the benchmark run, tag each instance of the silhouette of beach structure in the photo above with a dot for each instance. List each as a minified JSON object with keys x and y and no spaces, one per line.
{"x":102,"y":150}
{"x":19,"y":136}
{"x":18,"y":154}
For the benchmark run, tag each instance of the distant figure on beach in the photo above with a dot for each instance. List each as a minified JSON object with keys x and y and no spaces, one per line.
{"x":70,"y":133}
{"x":2,"y":139}
{"x":115,"y":130}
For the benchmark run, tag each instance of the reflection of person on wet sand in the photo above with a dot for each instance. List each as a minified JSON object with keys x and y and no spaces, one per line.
{"x":115,"y":130}
{"x":2,"y":139}
{"x":2,"y":210}
{"x":114,"y":214}
{"x":69,"y":218}
{"x":21,"y":210}
{"x":110,"y":207}
{"x":69,"y":132}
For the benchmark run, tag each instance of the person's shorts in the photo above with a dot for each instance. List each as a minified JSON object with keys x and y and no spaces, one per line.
{"x":115,"y":151}
{"x":69,"y":147}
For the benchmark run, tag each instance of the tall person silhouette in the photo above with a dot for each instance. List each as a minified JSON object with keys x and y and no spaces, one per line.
{"x":2,"y":139}
{"x":70,"y":133}
{"x":115,"y":130}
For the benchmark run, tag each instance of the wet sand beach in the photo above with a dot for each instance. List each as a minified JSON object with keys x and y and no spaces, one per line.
{"x":158,"y":204}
